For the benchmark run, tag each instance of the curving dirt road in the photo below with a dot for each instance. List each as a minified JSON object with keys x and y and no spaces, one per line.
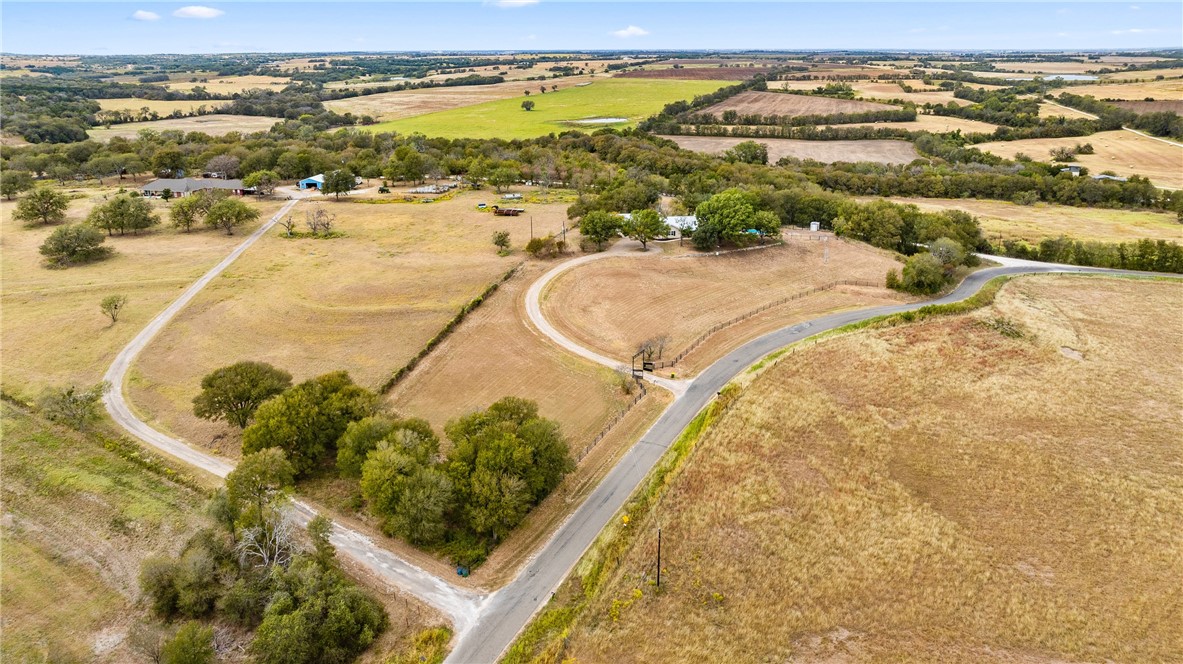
{"x":511,"y":608}
{"x":460,"y":605}
{"x":485,"y":624}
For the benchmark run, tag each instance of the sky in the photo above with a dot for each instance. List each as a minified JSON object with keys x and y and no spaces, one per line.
{"x":107,"y":28}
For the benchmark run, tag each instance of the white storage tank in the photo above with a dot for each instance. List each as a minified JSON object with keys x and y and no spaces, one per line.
{"x":815,"y":226}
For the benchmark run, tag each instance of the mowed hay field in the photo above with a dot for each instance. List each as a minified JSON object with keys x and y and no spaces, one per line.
{"x":409,"y":103}
{"x":53,"y":332}
{"x":1043,"y":220}
{"x":160,"y":106}
{"x":496,"y":353}
{"x":885,"y":90}
{"x":630,"y":100}
{"x":1123,"y":152}
{"x":1162,"y":105}
{"x":936,"y":492}
{"x":364,"y":303}
{"x":791,"y":105}
{"x":1170,"y":89}
{"x":228,"y":85}
{"x":214,"y":125}
{"x":932,"y":123}
{"x":614,"y":304}
{"x":828,"y":152}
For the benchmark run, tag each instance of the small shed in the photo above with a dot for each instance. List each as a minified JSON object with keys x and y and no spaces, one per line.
{"x":315,"y":182}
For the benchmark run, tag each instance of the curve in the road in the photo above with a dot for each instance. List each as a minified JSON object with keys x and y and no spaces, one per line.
{"x":460,"y":605}
{"x":511,"y":608}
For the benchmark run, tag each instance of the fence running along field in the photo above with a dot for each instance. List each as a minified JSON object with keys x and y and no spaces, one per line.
{"x":451,"y":325}
{"x":662,"y":364}
{"x":641,"y":394}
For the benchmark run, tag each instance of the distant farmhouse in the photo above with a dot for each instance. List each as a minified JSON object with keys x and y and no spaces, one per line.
{"x":315,"y":182}
{"x":318,"y":182}
{"x":179,"y":187}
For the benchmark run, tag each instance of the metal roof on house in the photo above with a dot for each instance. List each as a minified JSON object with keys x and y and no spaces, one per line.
{"x":186,"y":185}
{"x":319,"y":177}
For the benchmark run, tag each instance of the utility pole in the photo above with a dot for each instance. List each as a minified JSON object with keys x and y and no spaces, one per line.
{"x":531,"y":227}
{"x":659,"y":558}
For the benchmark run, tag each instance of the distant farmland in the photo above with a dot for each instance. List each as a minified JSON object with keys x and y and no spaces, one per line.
{"x":1174,"y":105}
{"x":791,"y":105}
{"x":698,"y":73}
{"x":828,"y":152}
{"x":214,"y":125}
{"x":612,"y":102}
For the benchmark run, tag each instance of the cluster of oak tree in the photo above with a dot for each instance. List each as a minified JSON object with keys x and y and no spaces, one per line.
{"x":499,"y":464}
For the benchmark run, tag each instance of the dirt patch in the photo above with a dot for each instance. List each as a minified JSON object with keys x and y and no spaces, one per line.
{"x":699,"y":73}
{"x":612,"y":305}
{"x":792,"y":105}
{"x":827,"y":152}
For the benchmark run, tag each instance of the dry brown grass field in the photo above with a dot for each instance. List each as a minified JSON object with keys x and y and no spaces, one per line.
{"x":1035,"y":222}
{"x":1051,"y":110}
{"x":1148,"y":75}
{"x":1164,"y":89}
{"x":614,"y":304}
{"x":1174,"y":106}
{"x":886,"y":152}
{"x":409,"y":103}
{"x":936,"y":492}
{"x":364,"y":303}
{"x":700,"y":73}
{"x":161,"y":107}
{"x":1122,"y":152}
{"x":933,"y":123}
{"x":496,"y":353}
{"x":885,"y":90}
{"x":228,"y":85}
{"x":791,"y":105}
{"x":214,"y":125}
{"x":53,"y":331}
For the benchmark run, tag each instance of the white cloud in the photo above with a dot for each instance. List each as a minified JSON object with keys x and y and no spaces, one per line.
{"x":630,"y":31}
{"x":514,"y":4}
{"x":1135,"y":7}
{"x":1135,"y":31}
{"x":917,"y":30}
{"x":197,"y":11}
{"x":141,"y":15}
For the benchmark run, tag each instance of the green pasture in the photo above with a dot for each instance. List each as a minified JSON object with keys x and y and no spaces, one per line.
{"x":632,"y":99}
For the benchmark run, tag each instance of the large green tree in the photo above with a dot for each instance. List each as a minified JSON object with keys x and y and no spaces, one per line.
{"x":645,"y":225}
{"x":233,"y":392}
{"x":363,"y":436}
{"x":599,"y":227}
{"x":258,"y":482}
{"x":410,"y":496}
{"x":123,"y":213}
{"x":14,"y":182}
{"x":306,"y":420}
{"x":337,"y":182}
{"x":192,"y":644}
{"x":74,"y":244}
{"x":264,"y":181}
{"x":729,"y":217}
{"x":503,"y":461}
{"x":230,"y":213}
{"x":42,"y":206}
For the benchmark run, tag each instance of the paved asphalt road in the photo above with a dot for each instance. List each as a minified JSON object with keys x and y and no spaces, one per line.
{"x":485,"y":625}
{"x":511,"y":608}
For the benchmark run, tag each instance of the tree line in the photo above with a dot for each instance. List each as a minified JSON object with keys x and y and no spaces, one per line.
{"x":500,"y":463}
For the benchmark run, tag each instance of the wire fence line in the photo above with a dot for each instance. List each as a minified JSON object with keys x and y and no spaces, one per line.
{"x":620,"y":415}
{"x":663,"y":364}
